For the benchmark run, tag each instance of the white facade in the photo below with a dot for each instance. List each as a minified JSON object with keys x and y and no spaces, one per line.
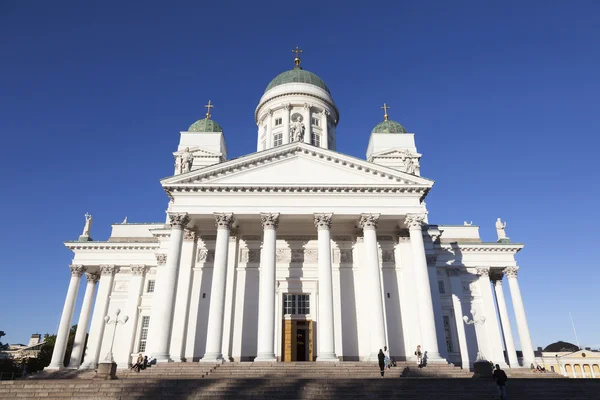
{"x":294,"y":231}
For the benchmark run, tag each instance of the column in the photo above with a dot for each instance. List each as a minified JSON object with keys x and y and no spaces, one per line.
{"x":455,"y":289}
{"x":269,"y":129}
{"x":164,"y":295}
{"x":495,"y":351}
{"x":62,"y":336}
{"x":84,"y":320}
{"x":124,"y":347}
{"x":368,"y":223}
{"x":107,"y":276}
{"x":266,"y":290}
{"x":513,"y":360}
{"x":324,"y":129}
{"x":182,"y":300}
{"x":414,"y":222}
{"x":522,"y":327}
{"x":307,"y":124}
{"x":286,"y":123}
{"x":214,"y":336}
{"x":325,"y":333}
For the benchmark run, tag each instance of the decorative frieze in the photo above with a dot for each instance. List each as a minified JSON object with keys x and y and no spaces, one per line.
{"x":76,"y":269}
{"x":323,"y":221}
{"x":250,"y":255}
{"x":189,"y":235}
{"x":120,"y":286}
{"x":223,"y":220}
{"x":283,"y":255}
{"x":269,"y":220}
{"x":414,"y":221}
{"x":369,"y":221}
{"x":161,"y":259}
{"x":178,"y":220}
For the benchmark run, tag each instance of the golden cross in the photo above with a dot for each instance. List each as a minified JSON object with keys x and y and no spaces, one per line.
{"x":297,"y":51}
{"x":208,"y":106}
{"x":385,"y":108}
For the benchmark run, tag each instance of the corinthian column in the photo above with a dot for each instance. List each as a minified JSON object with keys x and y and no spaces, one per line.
{"x":62,"y":336}
{"x":494,"y":351}
{"x":164,"y":294}
{"x":84,"y":320}
{"x":325,"y":332}
{"x":522,"y":326}
{"x":307,"y":124}
{"x":286,"y":123}
{"x":266,"y":291}
{"x":414,"y":222}
{"x":368,"y":223}
{"x":506,"y":328}
{"x":214,"y":336}
{"x":107,"y":277}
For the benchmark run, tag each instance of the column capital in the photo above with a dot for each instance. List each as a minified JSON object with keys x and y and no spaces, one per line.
{"x":76,"y":269}
{"x":92,"y":277}
{"x":414,"y":221}
{"x":178,"y":220}
{"x":138,"y":269}
{"x":483,"y":271}
{"x":369,"y":221}
{"x":189,"y":235}
{"x":223,"y":220}
{"x":108,"y":269}
{"x":161,"y":259}
{"x":511,"y":272}
{"x":269,"y":220}
{"x":323,"y":221}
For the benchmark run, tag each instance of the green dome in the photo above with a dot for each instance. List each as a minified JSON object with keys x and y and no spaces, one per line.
{"x":388,"y":126}
{"x":205,"y":125}
{"x":297,"y":75}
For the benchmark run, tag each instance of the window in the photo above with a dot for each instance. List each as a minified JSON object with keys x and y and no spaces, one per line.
{"x":144,"y":333}
{"x":441,"y":287}
{"x":278,"y":121}
{"x":150,"y":288}
{"x":449,"y":346}
{"x":315,"y":121}
{"x":296,"y":304}
{"x":315,"y":139}
{"x":277,"y":139}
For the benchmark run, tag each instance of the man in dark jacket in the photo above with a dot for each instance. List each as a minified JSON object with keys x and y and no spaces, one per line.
{"x":500,"y":378}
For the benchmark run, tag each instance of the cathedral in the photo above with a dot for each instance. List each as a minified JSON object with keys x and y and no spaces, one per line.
{"x":293,"y":252}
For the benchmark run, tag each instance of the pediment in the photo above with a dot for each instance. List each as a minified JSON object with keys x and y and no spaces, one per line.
{"x":396,"y":153}
{"x":198,"y":152}
{"x":298,"y":164}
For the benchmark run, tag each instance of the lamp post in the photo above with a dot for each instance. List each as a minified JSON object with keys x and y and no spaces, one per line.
{"x":476,"y":321}
{"x":115,"y":321}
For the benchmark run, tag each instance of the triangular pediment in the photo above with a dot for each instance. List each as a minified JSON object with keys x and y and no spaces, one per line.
{"x":396,"y":153}
{"x":199,"y":152}
{"x":297,"y":164}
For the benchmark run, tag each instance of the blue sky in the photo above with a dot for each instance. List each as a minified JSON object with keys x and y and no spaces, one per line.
{"x":502,"y":96}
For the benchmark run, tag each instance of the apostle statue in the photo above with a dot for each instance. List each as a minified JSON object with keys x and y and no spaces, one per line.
{"x":409,"y":166}
{"x":500,"y":226}
{"x":88,"y":225}
{"x":183,"y":162}
{"x":297,"y":130}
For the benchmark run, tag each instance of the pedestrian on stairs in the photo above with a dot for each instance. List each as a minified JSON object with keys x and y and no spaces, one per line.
{"x":500,"y":378}
{"x":381,"y":358}
{"x":419,"y":355}
{"x":386,"y":360}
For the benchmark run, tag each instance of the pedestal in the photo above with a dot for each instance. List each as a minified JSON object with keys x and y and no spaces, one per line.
{"x":482,"y":369}
{"x":106,"y":371}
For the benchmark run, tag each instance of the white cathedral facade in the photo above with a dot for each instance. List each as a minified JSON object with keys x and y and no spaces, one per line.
{"x":294,"y":252}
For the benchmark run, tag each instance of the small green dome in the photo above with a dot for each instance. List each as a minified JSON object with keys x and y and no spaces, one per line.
{"x":297,"y":75}
{"x":389,"y":126}
{"x":205,"y":125}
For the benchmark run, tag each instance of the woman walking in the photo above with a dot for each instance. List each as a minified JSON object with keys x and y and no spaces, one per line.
{"x":381,"y":358}
{"x":386,"y":360}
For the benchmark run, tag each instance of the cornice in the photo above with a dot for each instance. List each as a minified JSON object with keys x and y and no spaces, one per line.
{"x":111,"y":246}
{"x":298,"y":189}
{"x":483,"y":247}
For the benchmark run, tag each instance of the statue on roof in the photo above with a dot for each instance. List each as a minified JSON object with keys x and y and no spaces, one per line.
{"x":500,"y":229}
{"x":184,"y":161}
{"x":88,"y":225}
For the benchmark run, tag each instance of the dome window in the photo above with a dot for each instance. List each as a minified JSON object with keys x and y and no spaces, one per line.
{"x":315,"y":121}
{"x":278,"y":121}
{"x":315,"y":139}
{"x":278,"y":139}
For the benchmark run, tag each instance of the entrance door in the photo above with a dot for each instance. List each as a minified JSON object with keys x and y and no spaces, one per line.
{"x":301,"y":337}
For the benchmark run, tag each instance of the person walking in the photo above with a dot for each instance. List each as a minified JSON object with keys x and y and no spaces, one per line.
{"x":386,"y":360}
{"x":500,"y":378}
{"x":381,"y":358}
{"x":419,"y":355}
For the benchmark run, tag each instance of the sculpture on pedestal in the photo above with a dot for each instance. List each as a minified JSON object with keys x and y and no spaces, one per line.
{"x":85,"y":235}
{"x":184,"y":161}
{"x":297,"y":129}
{"x":500,"y":230}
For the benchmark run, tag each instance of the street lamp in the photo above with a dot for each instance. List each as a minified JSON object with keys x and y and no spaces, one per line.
{"x":115,"y":321}
{"x":476,"y":321}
